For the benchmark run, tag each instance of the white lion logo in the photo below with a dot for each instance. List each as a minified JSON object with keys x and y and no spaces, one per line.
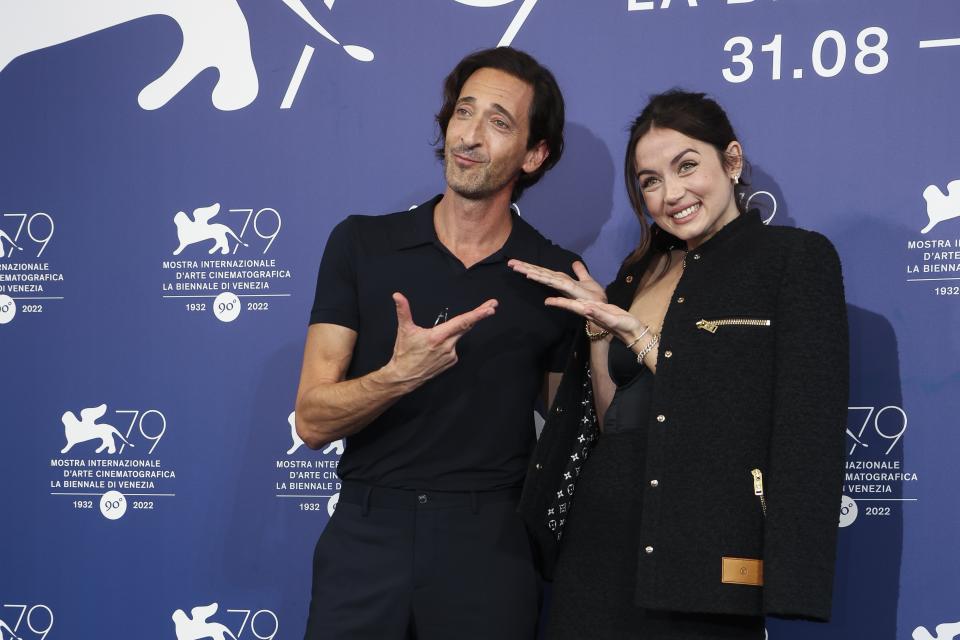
{"x":77,"y":431}
{"x":196,"y":626}
{"x":199,"y":229}
{"x":215,"y":35}
{"x":4,"y":627}
{"x":297,"y":440}
{"x":337,"y":446}
{"x":941,"y":206}
{"x":945,"y":631}
{"x":13,"y":245}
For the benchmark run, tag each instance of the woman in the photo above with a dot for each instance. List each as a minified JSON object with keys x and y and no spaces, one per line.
{"x":716,"y":363}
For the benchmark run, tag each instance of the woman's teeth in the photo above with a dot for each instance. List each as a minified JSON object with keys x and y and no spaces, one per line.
{"x":683,"y":214}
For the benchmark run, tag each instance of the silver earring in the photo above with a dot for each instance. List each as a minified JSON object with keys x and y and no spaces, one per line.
{"x":736,"y":178}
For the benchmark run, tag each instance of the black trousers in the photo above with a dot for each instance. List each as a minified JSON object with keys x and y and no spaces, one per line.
{"x":419,"y":565}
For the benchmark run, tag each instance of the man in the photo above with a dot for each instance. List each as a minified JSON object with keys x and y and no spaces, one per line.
{"x":428,"y":353}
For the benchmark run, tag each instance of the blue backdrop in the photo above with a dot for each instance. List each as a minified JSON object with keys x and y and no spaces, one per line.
{"x":170,"y":170}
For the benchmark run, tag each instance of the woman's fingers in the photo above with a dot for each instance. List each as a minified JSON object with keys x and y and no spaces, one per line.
{"x":521,"y":266}
{"x":581,"y":272}
{"x":610,"y":316}
{"x":528,"y":269}
{"x":567,"y":303}
{"x":602,"y":316}
{"x":582,"y":288}
{"x":606,"y":316}
{"x":592,"y":311}
{"x":557,"y":280}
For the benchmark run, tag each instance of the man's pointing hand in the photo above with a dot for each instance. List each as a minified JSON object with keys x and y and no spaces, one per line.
{"x":419,"y":353}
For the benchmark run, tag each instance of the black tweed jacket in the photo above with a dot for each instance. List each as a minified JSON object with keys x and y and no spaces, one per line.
{"x":752,"y":375}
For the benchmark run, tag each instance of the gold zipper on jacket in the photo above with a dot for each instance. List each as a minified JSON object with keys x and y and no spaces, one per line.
{"x":713,"y":325}
{"x":758,"y":489}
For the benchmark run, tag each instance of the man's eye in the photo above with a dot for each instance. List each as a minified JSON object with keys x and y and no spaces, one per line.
{"x":502,"y":124}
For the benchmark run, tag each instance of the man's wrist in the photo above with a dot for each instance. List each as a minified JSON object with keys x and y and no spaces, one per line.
{"x":389,"y":380}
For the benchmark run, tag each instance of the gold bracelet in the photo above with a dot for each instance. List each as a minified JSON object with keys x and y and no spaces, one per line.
{"x":637,"y":339}
{"x":599,"y":335}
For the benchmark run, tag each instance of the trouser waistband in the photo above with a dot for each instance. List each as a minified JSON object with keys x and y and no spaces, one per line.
{"x":371,"y":496}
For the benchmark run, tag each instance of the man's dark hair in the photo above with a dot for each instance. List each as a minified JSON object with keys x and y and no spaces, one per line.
{"x":546,"y":110}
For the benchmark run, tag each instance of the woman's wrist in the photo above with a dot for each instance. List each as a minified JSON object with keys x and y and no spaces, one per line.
{"x":638,"y":338}
{"x":634,"y":336}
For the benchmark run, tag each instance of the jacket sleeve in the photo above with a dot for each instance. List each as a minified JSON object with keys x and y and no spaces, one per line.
{"x":803,"y":482}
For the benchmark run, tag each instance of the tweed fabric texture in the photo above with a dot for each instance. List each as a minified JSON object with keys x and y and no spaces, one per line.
{"x":747,"y":396}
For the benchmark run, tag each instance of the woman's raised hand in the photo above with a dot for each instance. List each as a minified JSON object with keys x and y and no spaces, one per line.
{"x":583,"y":288}
{"x":614,"y":319}
{"x":583,"y":296}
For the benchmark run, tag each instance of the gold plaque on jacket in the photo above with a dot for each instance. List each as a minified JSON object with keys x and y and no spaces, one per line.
{"x":742,"y":571}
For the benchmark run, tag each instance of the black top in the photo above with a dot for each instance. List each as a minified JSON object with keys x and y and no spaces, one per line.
{"x":630,"y":406}
{"x":471,"y":428}
{"x":752,"y":374}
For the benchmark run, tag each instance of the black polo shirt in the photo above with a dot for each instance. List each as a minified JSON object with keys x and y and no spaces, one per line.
{"x":470,"y":428}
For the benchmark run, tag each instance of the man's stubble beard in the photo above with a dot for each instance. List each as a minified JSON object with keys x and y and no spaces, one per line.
{"x":479,"y":182}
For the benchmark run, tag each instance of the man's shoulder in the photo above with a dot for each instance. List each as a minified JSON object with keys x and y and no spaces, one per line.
{"x":380,"y":231}
{"x":547,"y":253}
{"x":559,"y":258}
{"x":362,"y":222}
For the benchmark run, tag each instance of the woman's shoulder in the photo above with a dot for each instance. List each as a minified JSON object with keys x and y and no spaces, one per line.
{"x":794,"y":239}
{"x":800,"y":251}
{"x":788,"y":235}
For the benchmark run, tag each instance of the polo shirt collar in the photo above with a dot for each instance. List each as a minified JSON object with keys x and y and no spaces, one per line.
{"x":422,"y":230}
{"x":520,"y":244}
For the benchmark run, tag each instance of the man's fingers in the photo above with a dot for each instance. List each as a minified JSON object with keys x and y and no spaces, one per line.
{"x":404,"y":317}
{"x":459,"y":325}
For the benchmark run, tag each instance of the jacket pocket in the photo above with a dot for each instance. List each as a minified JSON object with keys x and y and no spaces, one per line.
{"x":713,"y":325}
{"x":758,"y":489}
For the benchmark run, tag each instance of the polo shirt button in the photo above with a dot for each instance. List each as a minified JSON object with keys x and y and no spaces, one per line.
{"x":629,"y":279}
{"x":422,"y":498}
{"x":668,"y":354}
{"x":661,"y":418}
{"x":654,"y":483}
{"x":696,"y":256}
{"x":681,"y":300}
{"x":648,"y":550}
{"x":539,"y":466}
